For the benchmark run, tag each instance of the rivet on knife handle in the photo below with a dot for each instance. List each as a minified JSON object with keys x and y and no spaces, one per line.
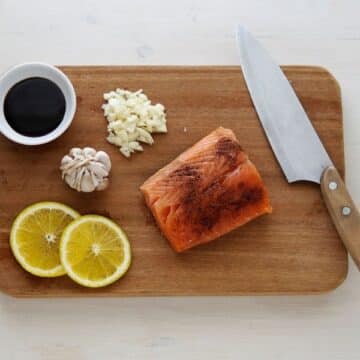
{"x":345,"y":215}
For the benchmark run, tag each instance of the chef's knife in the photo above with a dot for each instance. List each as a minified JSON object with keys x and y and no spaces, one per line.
{"x":293,"y":139}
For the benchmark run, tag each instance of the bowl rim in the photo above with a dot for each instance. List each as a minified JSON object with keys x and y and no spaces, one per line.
{"x":27,"y":70}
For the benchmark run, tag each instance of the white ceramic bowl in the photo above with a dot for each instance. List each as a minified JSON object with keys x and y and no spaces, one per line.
{"x":28,"y":70}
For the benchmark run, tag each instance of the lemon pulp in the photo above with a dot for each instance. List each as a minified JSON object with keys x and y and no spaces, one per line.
{"x":35,"y":236}
{"x":94,"y":251}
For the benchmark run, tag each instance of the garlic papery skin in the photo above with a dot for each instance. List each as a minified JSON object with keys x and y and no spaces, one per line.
{"x":86,"y":170}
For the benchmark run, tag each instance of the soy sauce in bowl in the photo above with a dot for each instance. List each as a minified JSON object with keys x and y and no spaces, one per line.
{"x":37,"y":103}
{"x":34,"y":107}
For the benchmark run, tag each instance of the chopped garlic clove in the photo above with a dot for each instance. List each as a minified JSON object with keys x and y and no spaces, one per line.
{"x":131,"y":119}
{"x":125,"y":150}
{"x":144,"y":136}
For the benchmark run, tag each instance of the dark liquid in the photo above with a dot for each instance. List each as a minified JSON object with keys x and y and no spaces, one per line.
{"x":34,"y":107}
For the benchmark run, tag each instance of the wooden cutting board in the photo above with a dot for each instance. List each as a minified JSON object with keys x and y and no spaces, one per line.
{"x":296,"y":250}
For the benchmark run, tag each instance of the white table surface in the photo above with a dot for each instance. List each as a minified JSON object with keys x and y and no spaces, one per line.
{"x":316,"y":32}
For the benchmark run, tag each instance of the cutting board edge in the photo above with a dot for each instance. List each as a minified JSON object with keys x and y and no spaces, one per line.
{"x":172,"y":67}
{"x":327,"y":289}
{"x":342,"y":274}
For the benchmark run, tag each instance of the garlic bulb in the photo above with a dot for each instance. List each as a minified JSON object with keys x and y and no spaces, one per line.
{"x":86,"y":170}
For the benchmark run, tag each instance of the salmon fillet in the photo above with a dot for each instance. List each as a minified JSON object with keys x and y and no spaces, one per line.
{"x":207,"y":191}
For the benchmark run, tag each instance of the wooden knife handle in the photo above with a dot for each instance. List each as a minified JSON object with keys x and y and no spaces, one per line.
{"x":343,"y":211}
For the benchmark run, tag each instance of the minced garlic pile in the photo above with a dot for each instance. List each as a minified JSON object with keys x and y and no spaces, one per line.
{"x":132,"y":119}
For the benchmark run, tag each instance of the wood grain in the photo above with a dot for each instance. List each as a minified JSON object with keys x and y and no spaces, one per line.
{"x":345,"y":215}
{"x":296,"y":250}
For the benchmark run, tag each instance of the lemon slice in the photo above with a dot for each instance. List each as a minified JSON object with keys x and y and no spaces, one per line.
{"x":35,"y":236}
{"x":94,"y":251}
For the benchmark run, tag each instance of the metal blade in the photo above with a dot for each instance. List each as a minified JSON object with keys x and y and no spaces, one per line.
{"x":293,"y":139}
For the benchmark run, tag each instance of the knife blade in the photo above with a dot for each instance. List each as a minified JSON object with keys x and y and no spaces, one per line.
{"x":294,"y":141}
